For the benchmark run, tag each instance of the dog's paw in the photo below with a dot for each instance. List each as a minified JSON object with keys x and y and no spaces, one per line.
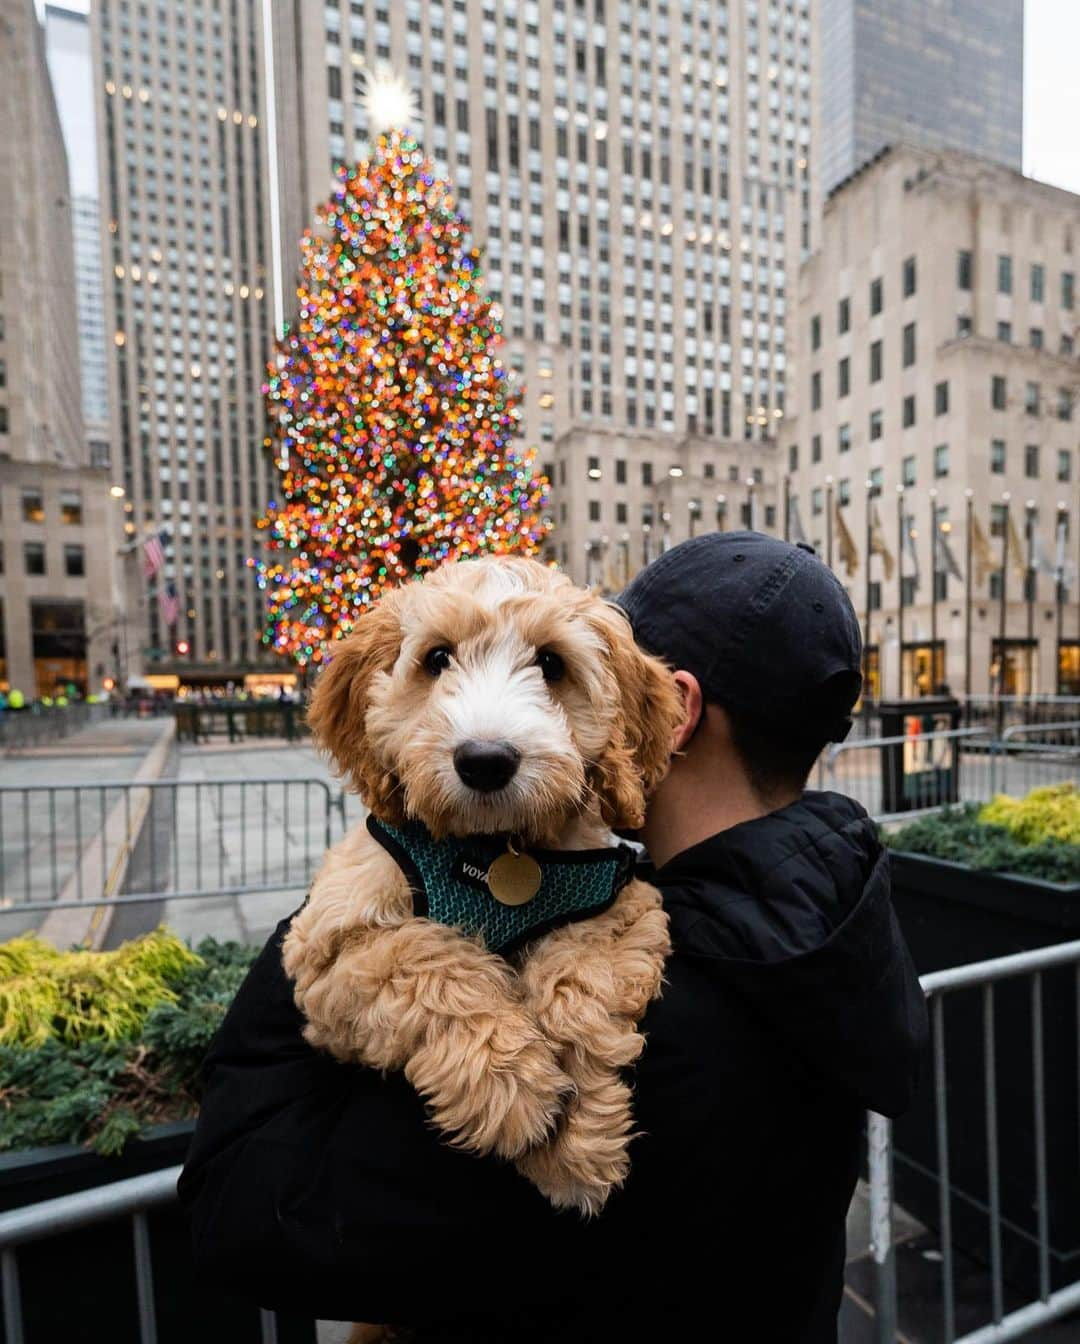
{"x":500,"y":1091}
{"x":587,"y":1158}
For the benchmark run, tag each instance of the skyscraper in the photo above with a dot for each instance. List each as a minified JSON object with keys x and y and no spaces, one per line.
{"x":189,"y":311}
{"x":67,"y":38}
{"x":931,"y":74}
{"x":59,"y":525}
{"x":641,"y":178}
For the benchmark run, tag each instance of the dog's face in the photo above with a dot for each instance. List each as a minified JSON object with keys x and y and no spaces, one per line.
{"x":494,"y":696}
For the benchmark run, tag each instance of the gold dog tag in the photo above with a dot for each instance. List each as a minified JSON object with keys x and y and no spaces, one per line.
{"x":514,"y":879}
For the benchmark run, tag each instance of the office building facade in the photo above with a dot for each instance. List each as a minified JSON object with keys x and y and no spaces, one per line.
{"x":938,"y":372}
{"x":920,"y":72}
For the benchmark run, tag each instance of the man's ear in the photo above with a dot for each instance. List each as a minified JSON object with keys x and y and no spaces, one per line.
{"x":339,"y":704}
{"x":693,"y":703}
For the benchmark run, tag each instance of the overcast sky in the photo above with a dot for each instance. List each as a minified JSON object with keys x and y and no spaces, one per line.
{"x":1052,"y":92}
{"x":1051,"y":89}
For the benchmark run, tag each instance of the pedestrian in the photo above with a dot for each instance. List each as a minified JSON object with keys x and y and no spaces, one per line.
{"x":790,"y":1007}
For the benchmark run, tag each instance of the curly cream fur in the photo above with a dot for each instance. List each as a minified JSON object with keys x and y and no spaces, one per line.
{"x":519,"y":1058}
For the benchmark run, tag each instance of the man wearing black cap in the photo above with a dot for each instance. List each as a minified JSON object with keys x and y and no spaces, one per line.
{"x":790,"y":1008}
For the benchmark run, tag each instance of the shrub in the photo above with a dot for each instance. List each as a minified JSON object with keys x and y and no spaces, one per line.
{"x":961,"y":835}
{"x":103,"y":1086}
{"x":1051,"y":813}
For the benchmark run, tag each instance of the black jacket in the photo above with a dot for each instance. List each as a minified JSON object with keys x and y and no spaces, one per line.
{"x":790,"y":1007}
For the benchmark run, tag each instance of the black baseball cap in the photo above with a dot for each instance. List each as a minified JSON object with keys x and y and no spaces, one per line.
{"x":764,"y":625}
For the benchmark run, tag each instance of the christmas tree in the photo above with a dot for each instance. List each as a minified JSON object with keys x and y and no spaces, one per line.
{"x":393,"y":419}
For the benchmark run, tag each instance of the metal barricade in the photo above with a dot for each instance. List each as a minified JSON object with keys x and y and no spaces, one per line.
{"x":868,"y":769}
{"x":38,"y":725}
{"x":1050,"y":1304}
{"x":66,"y":846}
{"x":132,"y":1199}
{"x":1035,"y":755}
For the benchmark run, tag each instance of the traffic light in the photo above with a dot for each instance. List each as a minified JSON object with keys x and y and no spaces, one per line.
{"x":182,"y":647}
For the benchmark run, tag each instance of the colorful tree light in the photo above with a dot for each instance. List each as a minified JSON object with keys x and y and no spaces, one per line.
{"x":392,"y":417}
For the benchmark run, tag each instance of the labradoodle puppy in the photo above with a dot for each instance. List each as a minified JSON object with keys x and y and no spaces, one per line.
{"x":481,"y":932}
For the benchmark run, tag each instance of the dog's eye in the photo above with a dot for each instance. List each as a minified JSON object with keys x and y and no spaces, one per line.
{"x":437,"y":660}
{"x":551,"y":666}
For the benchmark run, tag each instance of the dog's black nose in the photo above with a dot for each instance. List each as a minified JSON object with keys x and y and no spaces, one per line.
{"x":486,"y":766}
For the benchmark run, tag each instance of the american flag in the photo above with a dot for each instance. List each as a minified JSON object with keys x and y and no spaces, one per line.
{"x":169,"y":603}
{"x":153,"y":554}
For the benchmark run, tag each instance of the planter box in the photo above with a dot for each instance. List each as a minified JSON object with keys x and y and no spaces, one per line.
{"x":82,"y":1285}
{"x":951,"y":914}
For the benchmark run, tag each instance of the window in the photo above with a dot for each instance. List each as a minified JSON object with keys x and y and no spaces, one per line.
{"x":843,"y":316}
{"x":70,"y":506}
{"x":594,"y":510}
{"x":875,"y":361}
{"x":1004,"y":332}
{"x":963,"y":325}
{"x":907,"y":470}
{"x":909,"y":277}
{"x":1064,"y":467}
{"x":997,"y":520}
{"x":941,"y":398}
{"x":1068,"y":289}
{"x":1004,"y":274}
{"x":620,"y":513}
{"x":815,"y":501}
{"x":1035,"y":338}
{"x":1065,"y":403}
{"x":941,"y":460}
{"x":843,"y":491}
{"x":997,"y":456}
{"x":843,"y":439}
{"x":1031,"y":460}
{"x":33,"y":506}
{"x":620,"y":471}
{"x":34,"y":557}
{"x":815,"y":391}
{"x":963,"y":270}
{"x":74,"y":562}
{"x":997,"y":392}
{"x":908,"y":418}
{"x":815,"y":333}
{"x":909,"y":345}
{"x":1031,"y":398}
{"x":876,"y":428}
{"x":815,"y":448}
{"x":593,"y":469}
{"x":1038,"y":282}
{"x":333,"y":81}
{"x":843,"y":377}
{"x":646,"y":473}
{"x":876,"y":299}
{"x":793,"y":457}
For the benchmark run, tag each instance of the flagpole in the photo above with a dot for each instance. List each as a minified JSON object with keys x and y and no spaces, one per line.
{"x":934,"y":678}
{"x":828,"y":521}
{"x":1059,"y":593}
{"x":900,"y":586}
{"x":969,"y":495}
{"x":721,"y":509}
{"x":866,"y":637}
{"x":1004,"y":587}
{"x":787,"y":508}
{"x":1029,"y":514}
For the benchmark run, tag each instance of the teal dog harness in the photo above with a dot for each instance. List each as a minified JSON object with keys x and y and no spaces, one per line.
{"x":449,"y":883}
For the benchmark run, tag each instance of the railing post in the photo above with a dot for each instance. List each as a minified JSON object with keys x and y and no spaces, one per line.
{"x":879,"y":1142}
{"x":9,"y":1276}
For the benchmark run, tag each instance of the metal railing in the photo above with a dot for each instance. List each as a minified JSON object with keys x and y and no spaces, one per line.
{"x":37,"y":725}
{"x":133,"y":1199}
{"x":1050,"y":1304}
{"x":63,"y":846}
{"x":915,"y":772}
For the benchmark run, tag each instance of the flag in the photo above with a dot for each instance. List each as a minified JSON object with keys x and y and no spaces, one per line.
{"x":1064,"y":569}
{"x":911,"y":554}
{"x":944,"y":560}
{"x":153,"y":554}
{"x":1015,"y":551}
{"x":169,"y":603}
{"x":981,"y":554}
{"x":878,"y":545}
{"x":795,"y":528}
{"x":846,"y":542}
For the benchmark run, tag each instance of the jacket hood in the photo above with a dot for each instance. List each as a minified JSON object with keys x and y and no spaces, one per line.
{"x":793,"y":910}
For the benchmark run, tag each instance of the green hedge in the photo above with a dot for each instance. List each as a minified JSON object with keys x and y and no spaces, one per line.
{"x":103,"y":1091}
{"x":957,"y":834}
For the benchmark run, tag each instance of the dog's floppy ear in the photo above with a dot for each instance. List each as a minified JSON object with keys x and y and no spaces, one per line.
{"x":339,"y":705}
{"x":639,"y":752}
